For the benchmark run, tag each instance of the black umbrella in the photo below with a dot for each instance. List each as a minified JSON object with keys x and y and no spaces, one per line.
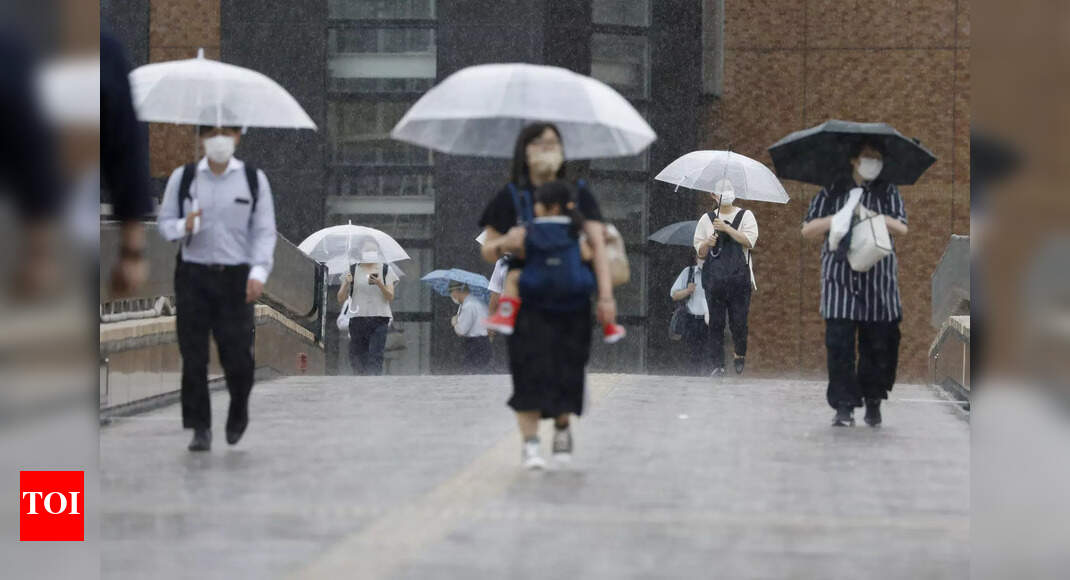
{"x":677,"y":234}
{"x":819,"y":155}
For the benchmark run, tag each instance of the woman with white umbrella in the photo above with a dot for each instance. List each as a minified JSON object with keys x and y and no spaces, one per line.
{"x":725,"y":237}
{"x":369,"y":286}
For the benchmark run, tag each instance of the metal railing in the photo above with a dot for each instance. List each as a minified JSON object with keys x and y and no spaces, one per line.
{"x":297,"y":286}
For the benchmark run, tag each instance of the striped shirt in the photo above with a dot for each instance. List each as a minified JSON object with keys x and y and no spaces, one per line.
{"x":871,"y":296}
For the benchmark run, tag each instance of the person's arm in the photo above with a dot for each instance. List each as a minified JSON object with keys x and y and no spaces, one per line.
{"x":896,"y":219}
{"x":466,"y":320}
{"x":387,"y":286}
{"x":492,"y":304}
{"x":740,"y":237}
{"x":895,"y":226}
{"x":170,"y":226}
{"x":586,"y":253}
{"x":680,"y":289}
{"x":607,"y":306}
{"x":497,"y":245}
{"x":343,"y":292}
{"x":817,"y":221}
{"x":704,"y":236}
{"x":262,"y":240}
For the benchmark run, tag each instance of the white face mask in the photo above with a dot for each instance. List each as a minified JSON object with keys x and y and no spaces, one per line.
{"x":869,"y":168}
{"x":369,"y":256}
{"x":546,"y":161}
{"x":220,"y":148}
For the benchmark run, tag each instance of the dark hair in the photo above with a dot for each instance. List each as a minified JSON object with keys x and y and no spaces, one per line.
{"x":857,"y":146}
{"x":202,"y":129}
{"x":519,"y":173}
{"x":560,"y":193}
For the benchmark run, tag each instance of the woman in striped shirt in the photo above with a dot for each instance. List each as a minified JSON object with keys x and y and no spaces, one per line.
{"x":859,"y":308}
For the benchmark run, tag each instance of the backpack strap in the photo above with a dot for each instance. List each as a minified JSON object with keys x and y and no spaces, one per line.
{"x":253,"y":180}
{"x":690,"y":274}
{"x":386,"y":268}
{"x":738,"y":221}
{"x":525,"y":213}
{"x":189,"y":171}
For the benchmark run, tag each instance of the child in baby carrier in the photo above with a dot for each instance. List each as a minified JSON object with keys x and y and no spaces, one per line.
{"x":555,"y":274}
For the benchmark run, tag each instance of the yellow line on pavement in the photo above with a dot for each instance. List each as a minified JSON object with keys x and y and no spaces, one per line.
{"x":392,"y":540}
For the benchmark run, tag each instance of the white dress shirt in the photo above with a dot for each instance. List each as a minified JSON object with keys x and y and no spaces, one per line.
{"x":748,"y":227}
{"x":228,"y":234}
{"x":696,"y":303}
{"x":470,"y":318}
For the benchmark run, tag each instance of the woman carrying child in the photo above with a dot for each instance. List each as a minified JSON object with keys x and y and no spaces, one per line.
{"x":550,"y":337}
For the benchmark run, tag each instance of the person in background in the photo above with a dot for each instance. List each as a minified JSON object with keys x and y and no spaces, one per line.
{"x":696,"y":333}
{"x":221,"y":212}
{"x":371,"y":285}
{"x":862,"y":310}
{"x":124,"y":164}
{"x":468,"y":323}
{"x":723,"y":240}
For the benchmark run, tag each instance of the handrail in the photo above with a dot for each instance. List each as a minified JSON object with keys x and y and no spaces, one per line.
{"x":295,"y":286}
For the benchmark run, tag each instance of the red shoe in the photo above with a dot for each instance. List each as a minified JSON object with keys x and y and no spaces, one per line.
{"x":612,"y":333}
{"x":504,"y":320}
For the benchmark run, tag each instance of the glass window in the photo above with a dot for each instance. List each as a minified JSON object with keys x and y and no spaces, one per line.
{"x":405,"y":185}
{"x":400,"y":226}
{"x":359,"y":133}
{"x":381,"y":9}
{"x":621,"y":62}
{"x":380,"y":59}
{"x":413,"y":295}
{"x":623,"y":204}
{"x":631,"y":297}
{"x":621,"y":12}
{"x":639,"y":162}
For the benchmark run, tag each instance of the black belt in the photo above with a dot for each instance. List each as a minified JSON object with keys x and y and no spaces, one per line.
{"x":216,"y":267}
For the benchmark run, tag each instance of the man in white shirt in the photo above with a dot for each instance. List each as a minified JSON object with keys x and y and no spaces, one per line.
{"x":469,"y":324}
{"x":222,"y":214}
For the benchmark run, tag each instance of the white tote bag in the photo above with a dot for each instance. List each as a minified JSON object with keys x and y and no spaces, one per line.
{"x":348,"y":311}
{"x":870,"y":241}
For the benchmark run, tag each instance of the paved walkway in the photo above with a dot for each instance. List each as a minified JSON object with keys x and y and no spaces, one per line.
{"x":418,"y":478}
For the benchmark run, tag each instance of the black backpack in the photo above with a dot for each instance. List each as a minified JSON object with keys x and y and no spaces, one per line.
{"x":189,"y":171}
{"x":726,"y":262}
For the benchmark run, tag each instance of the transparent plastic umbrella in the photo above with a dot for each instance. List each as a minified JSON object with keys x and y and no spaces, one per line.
{"x":704,"y":170}
{"x":201,"y":91}
{"x":480,"y":110}
{"x":341,"y":246}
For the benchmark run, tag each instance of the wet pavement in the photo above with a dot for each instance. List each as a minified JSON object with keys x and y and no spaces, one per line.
{"x":418,"y":477}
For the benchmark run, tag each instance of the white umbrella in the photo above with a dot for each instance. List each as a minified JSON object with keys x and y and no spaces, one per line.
{"x":341,"y":246}
{"x":199,"y":91}
{"x":704,"y":170}
{"x":480,"y":110}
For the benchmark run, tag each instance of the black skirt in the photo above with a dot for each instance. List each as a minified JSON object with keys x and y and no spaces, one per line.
{"x":548,"y":353}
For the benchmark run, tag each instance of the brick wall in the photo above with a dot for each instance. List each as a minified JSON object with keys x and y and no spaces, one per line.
{"x":791,"y":64}
{"x":177,"y":28}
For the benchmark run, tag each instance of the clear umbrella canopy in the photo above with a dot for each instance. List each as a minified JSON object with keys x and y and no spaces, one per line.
{"x":200,"y":91}
{"x":480,"y":110}
{"x":341,"y":246}
{"x":707,"y":171}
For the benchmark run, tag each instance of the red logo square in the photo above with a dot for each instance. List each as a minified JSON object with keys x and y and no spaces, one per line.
{"x":52,"y":506}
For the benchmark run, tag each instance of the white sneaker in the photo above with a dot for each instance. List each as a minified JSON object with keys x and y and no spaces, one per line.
{"x":562,"y":445}
{"x":529,"y":455}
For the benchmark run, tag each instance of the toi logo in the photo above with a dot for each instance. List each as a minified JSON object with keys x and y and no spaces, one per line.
{"x":52,"y":506}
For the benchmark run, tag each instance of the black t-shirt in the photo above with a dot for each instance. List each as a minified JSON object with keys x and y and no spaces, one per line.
{"x":500,"y":213}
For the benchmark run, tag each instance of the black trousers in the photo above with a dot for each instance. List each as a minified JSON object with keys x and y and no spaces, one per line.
{"x":477,"y":355}
{"x":696,"y":337}
{"x":729,"y":299}
{"x":367,"y":342}
{"x":871,"y":373}
{"x":211,"y":301}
